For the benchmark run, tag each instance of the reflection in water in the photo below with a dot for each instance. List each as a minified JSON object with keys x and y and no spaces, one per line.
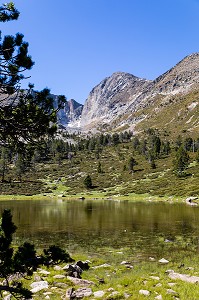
{"x":95,"y":224}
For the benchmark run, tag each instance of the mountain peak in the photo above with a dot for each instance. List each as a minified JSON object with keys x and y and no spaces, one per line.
{"x":117,"y":100}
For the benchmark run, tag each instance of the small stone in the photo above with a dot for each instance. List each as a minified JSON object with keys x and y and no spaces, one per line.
{"x":124,"y":262}
{"x":47,"y":297}
{"x":83,"y":292}
{"x":126,"y":296}
{"x":129,"y":266}
{"x":155,"y":277}
{"x":99,"y":294}
{"x":151,"y":258}
{"x":57,"y":268}
{"x":144,"y":292}
{"x":47,"y":293}
{"x":158,"y":284}
{"x":159,"y":297}
{"x":163,"y":261}
{"x":37,"y":277}
{"x":101,"y":266}
{"x":171,"y":284}
{"x":110,"y":290}
{"x":170,"y":291}
{"x":81,"y":282}
{"x":113,"y":294}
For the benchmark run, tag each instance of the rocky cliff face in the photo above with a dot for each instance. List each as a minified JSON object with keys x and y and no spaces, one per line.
{"x":123,"y":100}
{"x":110,"y":98}
{"x":70,"y":115}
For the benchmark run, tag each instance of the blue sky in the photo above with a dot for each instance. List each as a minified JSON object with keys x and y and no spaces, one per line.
{"x":77,"y":43}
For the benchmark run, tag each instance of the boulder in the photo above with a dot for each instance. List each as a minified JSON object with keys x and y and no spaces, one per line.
{"x":44,"y":272}
{"x":69,"y":293}
{"x":57,"y":268}
{"x":99,"y":294}
{"x":38,"y":286}
{"x":74,"y":271}
{"x":83,"y":292}
{"x":190,"y":200}
{"x":81,"y":282}
{"x":83,"y":265}
{"x":183,"y":277}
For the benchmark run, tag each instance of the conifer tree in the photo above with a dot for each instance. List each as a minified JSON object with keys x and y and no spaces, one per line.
{"x":25,"y":116}
{"x":181,"y":161}
{"x":88,"y":182}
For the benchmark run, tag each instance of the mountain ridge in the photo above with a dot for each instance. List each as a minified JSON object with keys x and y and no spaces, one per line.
{"x":118,"y":101}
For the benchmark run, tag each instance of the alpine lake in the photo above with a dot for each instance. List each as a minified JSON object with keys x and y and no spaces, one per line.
{"x":138,"y":230}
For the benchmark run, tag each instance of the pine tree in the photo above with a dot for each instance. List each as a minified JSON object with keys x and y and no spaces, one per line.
{"x":132,"y":163}
{"x":88,"y":182}
{"x":8,"y":265}
{"x":20,"y":166}
{"x":25,"y":116}
{"x":4,"y":163}
{"x":99,"y":168}
{"x":181,"y":161}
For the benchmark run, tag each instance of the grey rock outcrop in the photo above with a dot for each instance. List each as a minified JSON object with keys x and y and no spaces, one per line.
{"x":121,"y":100}
{"x":70,"y":115}
{"x":110,"y":98}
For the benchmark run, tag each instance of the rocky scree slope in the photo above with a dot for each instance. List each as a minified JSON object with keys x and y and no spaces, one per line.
{"x":123,"y":101}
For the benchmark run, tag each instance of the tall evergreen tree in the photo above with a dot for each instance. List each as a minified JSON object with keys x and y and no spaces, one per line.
{"x":132,"y":163}
{"x":181,"y":161}
{"x":88,"y":182}
{"x":4,"y":163}
{"x":25,"y":116}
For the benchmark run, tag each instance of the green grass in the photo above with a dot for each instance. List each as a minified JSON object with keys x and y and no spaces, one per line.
{"x":145,"y":275}
{"x":66,"y":179}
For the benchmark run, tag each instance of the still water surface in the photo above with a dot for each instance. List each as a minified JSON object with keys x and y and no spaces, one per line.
{"x":93,"y":225}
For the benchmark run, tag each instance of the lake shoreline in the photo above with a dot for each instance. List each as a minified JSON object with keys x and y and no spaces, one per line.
{"x":98,"y":196}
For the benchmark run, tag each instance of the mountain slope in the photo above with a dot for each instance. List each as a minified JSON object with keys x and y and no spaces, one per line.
{"x":110,"y":98}
{"x":123,"y":101}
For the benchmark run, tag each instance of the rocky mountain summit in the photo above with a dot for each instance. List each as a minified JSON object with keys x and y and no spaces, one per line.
{"x":110,"y":98}
{"x":124,"y":101}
